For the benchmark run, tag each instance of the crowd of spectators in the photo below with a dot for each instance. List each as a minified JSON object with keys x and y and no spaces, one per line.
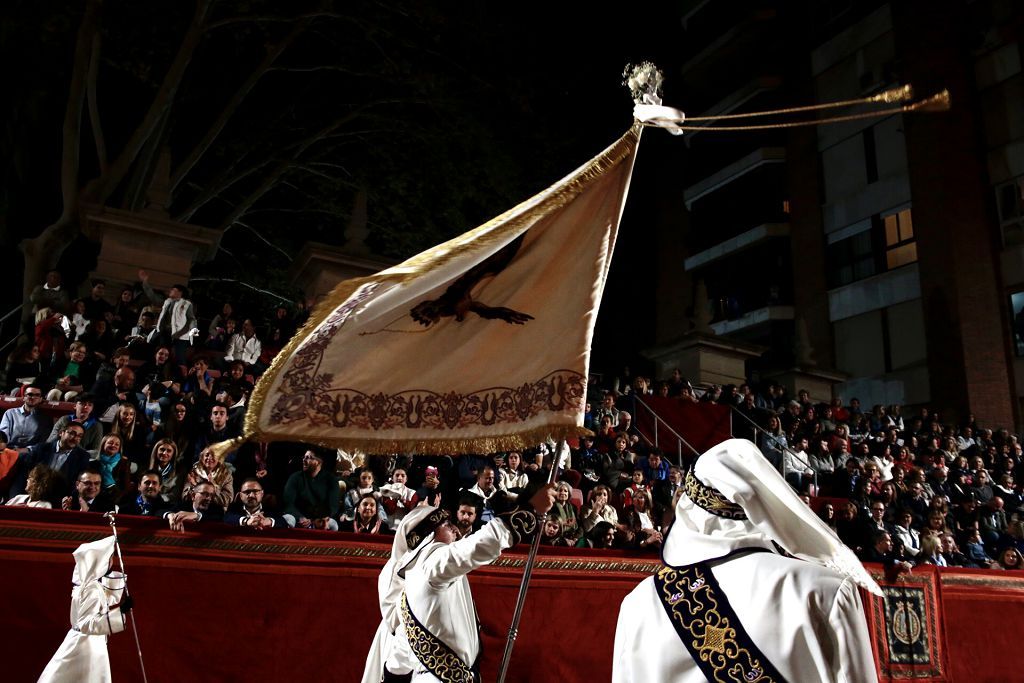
{"x":903,"y":489}
{"x":151,"y":394}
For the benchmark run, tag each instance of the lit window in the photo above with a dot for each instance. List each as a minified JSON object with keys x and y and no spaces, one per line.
{"x":900,"y":245}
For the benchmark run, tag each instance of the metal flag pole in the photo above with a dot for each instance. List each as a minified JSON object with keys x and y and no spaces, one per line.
{"x":513,"y":629}
{"x":120,"y":559}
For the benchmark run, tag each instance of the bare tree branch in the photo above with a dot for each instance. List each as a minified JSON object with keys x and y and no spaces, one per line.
{"x":103,"y":186}
{"x":239,"y":282}
{"x":229,"y":108}
{"x":326,"y":67}
{"x":94,"y":110}
{"x":262,"y":238}
{"x":71,"y":131}
{"x":282,"y":167}
{"x":267,"y":18}
{"x":213,"y":189}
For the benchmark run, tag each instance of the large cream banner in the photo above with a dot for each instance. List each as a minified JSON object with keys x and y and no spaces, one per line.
{"x":479,"y":344}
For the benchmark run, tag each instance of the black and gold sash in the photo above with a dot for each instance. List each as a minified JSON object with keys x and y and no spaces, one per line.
{"x":709,"y":628}
{"x":433,"y":653}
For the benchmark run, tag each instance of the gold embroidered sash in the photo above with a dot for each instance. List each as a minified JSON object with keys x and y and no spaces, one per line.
{"x":433,"y":653}
{"x":709,"y":628}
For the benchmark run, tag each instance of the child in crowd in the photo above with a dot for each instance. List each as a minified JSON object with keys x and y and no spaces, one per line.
{"x":637,"y":486}
{"x":366,"y":487}
{"x":397,"y":498}
{"x":431,"y":489}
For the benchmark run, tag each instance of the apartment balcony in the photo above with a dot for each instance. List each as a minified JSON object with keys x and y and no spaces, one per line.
{"x":752,"y":238}
{"x":750,"y":320}
{"x":759,"y":158}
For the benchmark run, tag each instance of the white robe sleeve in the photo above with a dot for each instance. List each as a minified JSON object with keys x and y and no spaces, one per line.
{"x":448,"y":562}
{"x":93,"y":618}
{"x":855,"y":662}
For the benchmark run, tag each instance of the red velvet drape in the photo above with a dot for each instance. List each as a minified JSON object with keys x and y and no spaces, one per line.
{"x":290,"y":606}
{"x":298,"y":605}
{"x":703,"y":425}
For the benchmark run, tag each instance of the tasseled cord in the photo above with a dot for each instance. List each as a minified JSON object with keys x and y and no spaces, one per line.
{"x":220,"y":450}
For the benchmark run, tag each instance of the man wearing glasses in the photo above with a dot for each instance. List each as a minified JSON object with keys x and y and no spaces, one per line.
{"x":248,"y":510}
{"x":87,"y":496}
{"x":64,"y":456}
{"x":202,"y":506}
{"x":26,"y":426}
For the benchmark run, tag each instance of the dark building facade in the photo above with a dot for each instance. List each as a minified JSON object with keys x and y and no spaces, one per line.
{"x":890,"y":249}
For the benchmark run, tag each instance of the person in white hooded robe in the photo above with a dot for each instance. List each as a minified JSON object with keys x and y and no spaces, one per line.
{"x":740,"y":609}
{"x":439,"y":639}
{"x":99,"y":606}
{"x":386,"y":647}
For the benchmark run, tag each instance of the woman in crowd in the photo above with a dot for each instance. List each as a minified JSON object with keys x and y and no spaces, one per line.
{"x":366,"y":487}
{"x":931,"y":549}
{"x":1010,"y":558}
{"x":772,"y":441}
{"x":99,"y":339}
{"x":218,"y":326}
{"x":126,"y":312}
{"x":617,"y":464}
{"x":603,"y":535}
{"x":38,"y":487}
{"x":210,"y":469}
{"x":179,"y":426}
{"x":605,"y":433}
{"x":160,"y":369}
{"x":599,"y":509}
{"x":841,"y":436}
{"x":115,"y":470}
{"x":49,"y":337}
{"x":640,"y":523}
{"x":564,"y":512}
{"x":936,"y":524}
{"x":132,"y":431}
{"x":827,"y":514}
{"x":166,"y":459}
{"x":367,"y":519}
{"x":23,"y":363}
{"x":512,"y":478}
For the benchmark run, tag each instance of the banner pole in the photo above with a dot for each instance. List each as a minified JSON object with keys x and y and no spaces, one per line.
{"x":135,"y":631}
{"x":513,"y":630}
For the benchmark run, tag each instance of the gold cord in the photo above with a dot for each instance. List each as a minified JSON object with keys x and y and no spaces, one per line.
{"x":903,"y":93}
{"x":937,"y":102}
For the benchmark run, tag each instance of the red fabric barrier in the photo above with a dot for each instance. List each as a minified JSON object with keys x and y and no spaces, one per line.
{"x":302,"y":605}
{"x":291,"y":605}
{"x":703,"y":425}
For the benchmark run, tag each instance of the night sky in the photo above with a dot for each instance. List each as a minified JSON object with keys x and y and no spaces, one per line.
{"x":461,"y":110}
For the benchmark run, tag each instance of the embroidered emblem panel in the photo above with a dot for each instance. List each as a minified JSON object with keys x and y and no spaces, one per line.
{"x":706,"y":623}
{"x":433,"y":653}
{"x":710,"y":499}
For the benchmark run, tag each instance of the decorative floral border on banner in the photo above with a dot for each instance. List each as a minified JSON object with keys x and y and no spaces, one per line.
{"x":561,"y":391}
{"x":306,"y":395}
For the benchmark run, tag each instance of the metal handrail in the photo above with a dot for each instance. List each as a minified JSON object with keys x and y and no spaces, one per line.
{"x":3,"y":319}
{"x":785,"y":448}
{"x":657,"y":419}
{"x":12,"y":312}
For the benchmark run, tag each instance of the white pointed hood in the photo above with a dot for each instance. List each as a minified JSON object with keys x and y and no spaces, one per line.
{"x":734,"y":499}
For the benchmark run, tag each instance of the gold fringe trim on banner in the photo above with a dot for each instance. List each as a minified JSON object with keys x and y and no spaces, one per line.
{"x":454,"y":446}
{"x":502,"y":227}
{"x":221,"y":449}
